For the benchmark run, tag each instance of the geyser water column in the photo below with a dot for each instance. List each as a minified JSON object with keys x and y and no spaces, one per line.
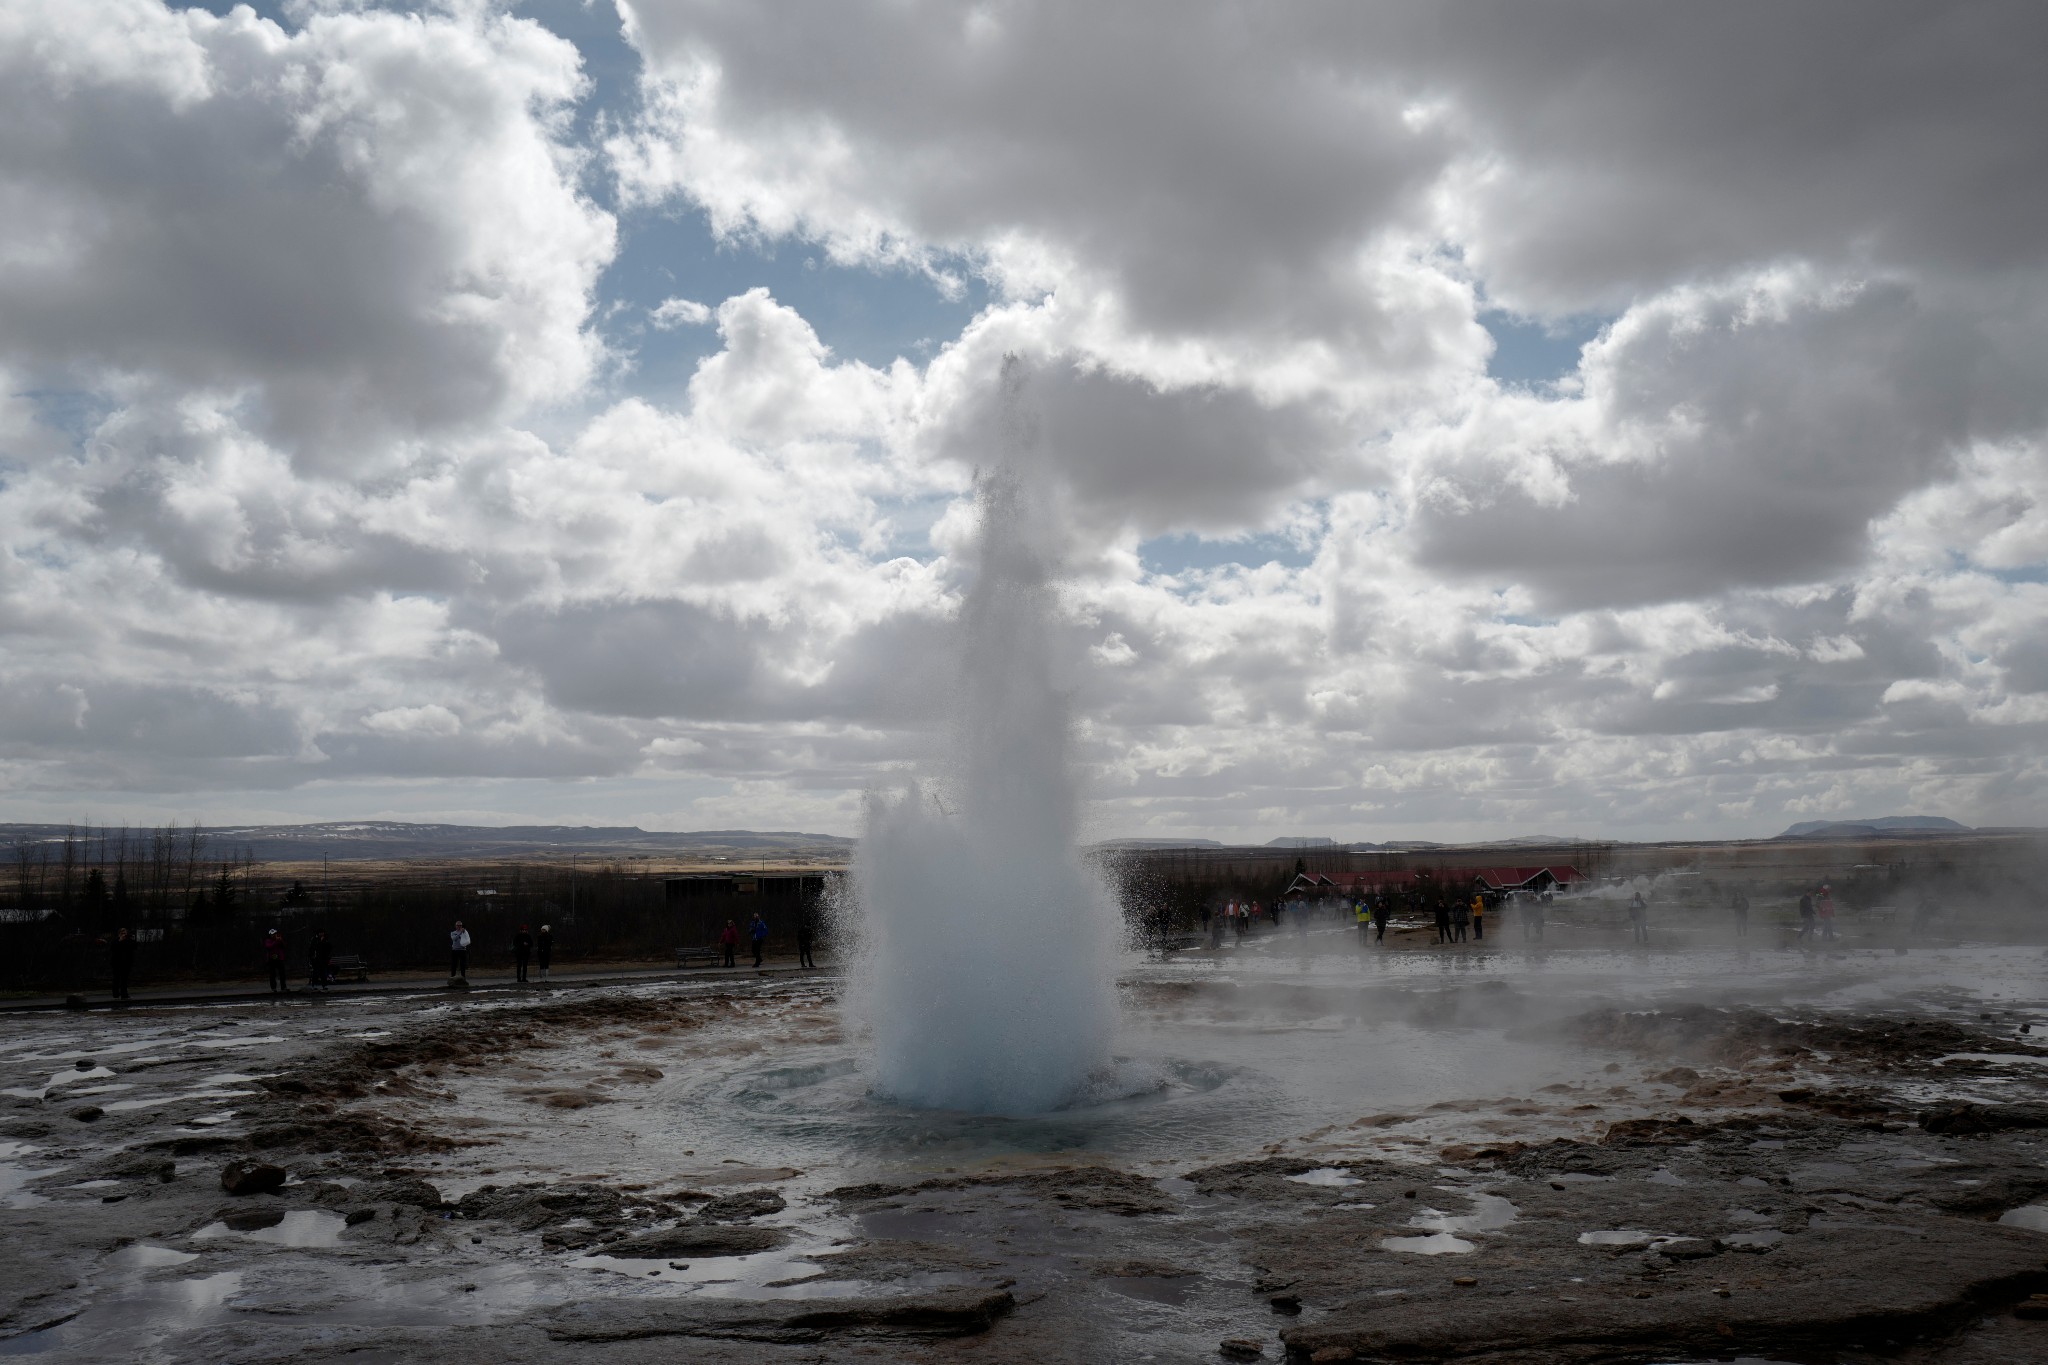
{"x":985,"y":972}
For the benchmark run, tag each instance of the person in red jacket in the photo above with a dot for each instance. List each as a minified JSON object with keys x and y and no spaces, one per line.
{"x":730,"y":941}
{"x":273,"y":954}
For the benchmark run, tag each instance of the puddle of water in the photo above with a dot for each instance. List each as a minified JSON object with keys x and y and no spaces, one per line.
{"x":299,"y":1228}
{"x":1435,"y":1244}
{"x":1490,"y":1213}
{"x":1761,"y":1237}
{"x":142,"y":1256}
{"x":14,"y":1175}
{"x":1327,"y":1175}
{"x":1617,"y":1237}
{"x":129,"y":1106}
{"x":1626,"y":1238}
{"x":222,"y":1044}
{"x":161,"y":1308}
{"x":94,"y":1185}
{"x":2033,"y":1217}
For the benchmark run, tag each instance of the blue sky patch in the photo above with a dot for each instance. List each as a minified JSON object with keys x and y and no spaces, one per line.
{"x":1536,"y":353}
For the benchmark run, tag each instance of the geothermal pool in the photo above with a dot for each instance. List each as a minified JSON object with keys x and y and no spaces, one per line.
{"x":1292,"y":1094}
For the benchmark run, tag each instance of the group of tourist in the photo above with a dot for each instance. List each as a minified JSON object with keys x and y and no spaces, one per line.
{"x":757,"y":934}
{"x":1817,"y":914}
{"x":1238,"y":916}
{"x":527,"y":948}
{"x":530,"y":951}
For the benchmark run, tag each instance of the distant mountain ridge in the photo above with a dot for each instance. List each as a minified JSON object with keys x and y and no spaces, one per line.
{"x":1875,"y":829}
{"x":355,"y":840}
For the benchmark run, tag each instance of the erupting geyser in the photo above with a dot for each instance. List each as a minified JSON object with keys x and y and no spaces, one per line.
{"x":985,"y":972}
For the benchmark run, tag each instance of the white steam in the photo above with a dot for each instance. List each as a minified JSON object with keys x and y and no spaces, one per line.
{"x":986,"y":966}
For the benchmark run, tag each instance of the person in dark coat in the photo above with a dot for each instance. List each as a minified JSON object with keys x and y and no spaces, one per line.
{"x":522,"y":949}
{"x":121,"y":961}
{"x":544,"y":949}
{"x":805,"y":934}
{"x":758,"y":932}
{"x":1443,"y":920}
{"x":319,"y":957}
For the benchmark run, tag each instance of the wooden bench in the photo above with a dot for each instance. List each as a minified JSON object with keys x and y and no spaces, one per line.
{"x":711,"y":953}
{"x":351,"y":965}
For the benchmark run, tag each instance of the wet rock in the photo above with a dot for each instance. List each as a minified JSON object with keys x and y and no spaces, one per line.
{"x":944,"y":1313}
{"x":1650,"y":1132}
{"x":1096,"y":1187}
{"x":129,"y":1166}
{"x":88,"y":1113}
{"x":408,"y":1190}
{"x":1994,"y":1192}
{"x":251,"y":1177}
{"x":1964,"y":1119}
{"x":1844,"y":1104}
{"x":1737,"y":1037}
{"x":567,"y":1099}
{"x":886,"y":1260}
{"x":1240,"y":1348}
{"x":352,"y":1132}
{"x":532,"y":1206}
{"x":252,"y":1220}
{"x":1142,"y":1270}
{"x":1846,"y":1286}
{"x":197,"y":1143}
{"x":734,"y":1208}
{"x":1085,"y":1187}
{"x":357,"y":1217}
{"x":698,"y":1239}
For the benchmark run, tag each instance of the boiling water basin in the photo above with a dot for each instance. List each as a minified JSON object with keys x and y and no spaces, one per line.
{"x":1206,"y":1080}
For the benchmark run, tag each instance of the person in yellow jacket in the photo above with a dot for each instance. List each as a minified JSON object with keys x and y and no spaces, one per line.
{"x":1478,"y":916}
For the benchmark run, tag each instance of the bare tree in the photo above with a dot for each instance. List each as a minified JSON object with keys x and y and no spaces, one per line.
{"x":195,"y":845}
{"x":24,"y":871}
{"x":71,"y":853}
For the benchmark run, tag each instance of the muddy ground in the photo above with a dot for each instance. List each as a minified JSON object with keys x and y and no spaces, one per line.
{"x":490,"y":1177}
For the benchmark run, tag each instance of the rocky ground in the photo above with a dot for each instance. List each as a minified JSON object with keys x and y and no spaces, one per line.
{"x":330,"y":1182}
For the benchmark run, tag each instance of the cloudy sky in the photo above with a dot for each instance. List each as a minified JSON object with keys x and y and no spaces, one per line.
{"x":1467,"y":419}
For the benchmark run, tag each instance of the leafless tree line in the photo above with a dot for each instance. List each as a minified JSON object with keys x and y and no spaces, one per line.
{"x":107,"y":875}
